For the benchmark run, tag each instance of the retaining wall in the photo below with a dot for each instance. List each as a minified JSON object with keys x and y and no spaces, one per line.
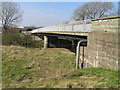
{"x":103,"y":44}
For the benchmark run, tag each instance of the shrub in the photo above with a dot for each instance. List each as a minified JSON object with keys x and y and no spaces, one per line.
{"x":28,"y":41}
{"x":10,"y":37}
{"x":13,"y":37}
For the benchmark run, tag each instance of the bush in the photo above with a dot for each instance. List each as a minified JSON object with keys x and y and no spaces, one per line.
{"x":10,"y":37}
{"x":13,"y":37}
{"x":27,"y":41}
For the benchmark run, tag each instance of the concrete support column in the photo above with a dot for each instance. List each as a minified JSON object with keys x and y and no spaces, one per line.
{"x":56,"y":41}
{"x":45,"y":42}
{"x":73,"y":45}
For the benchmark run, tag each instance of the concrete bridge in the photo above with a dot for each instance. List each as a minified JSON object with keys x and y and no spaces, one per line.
{"x":74,"y":30}
{"x":97,"y":40}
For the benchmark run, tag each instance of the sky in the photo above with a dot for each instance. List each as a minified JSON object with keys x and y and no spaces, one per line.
{"x":47,"y":13}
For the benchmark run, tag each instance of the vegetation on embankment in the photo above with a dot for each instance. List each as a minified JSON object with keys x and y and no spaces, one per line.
{"x":14,"y":37}
{"x":50,"y":68}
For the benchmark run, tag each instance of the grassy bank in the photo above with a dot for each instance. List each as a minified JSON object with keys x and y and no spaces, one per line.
{"x":51,"y":68}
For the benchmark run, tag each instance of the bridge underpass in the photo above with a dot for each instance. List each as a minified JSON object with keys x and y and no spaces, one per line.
{"x":54,"y":38}
{"x":60,"y":41}
{"x":75,"y":31}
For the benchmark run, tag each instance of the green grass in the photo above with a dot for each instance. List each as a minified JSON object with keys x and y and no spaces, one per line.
{"x":110,"y":77}
{"x":50,"y":68}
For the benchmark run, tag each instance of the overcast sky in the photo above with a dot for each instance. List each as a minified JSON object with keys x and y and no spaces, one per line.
{"x":47,"y":13}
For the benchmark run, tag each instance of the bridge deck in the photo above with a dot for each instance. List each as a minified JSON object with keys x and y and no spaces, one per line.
{"x":75,"y":28}
{"x":68,"y":33}
{"x":70,"y":36}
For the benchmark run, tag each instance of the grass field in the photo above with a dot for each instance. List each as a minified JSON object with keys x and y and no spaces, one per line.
{"x":50,"y":68}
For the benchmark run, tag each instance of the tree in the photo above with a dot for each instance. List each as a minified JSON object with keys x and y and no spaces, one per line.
{"x":116,"y":12}
{"x":11,"y":14}
{"x":92,"y":10}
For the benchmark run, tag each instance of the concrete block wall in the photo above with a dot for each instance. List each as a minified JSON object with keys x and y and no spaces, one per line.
{"x":103,"y":44}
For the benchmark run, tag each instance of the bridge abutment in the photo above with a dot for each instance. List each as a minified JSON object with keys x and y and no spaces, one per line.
{"x":103,"y":44}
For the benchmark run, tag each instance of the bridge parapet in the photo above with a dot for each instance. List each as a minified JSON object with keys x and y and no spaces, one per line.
{"x":78,"y":26}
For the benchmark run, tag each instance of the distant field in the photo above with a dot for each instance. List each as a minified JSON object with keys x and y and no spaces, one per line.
{"x":50,"y":68}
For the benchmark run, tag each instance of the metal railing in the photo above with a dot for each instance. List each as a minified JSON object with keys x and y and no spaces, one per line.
{"x":78,"y":26}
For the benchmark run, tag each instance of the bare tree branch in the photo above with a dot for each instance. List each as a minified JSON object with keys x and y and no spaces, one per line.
{"x":92,"y":10}
{"x":11,"y":14}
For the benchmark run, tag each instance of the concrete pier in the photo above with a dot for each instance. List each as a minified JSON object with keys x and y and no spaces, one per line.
{"x":45,"y":42}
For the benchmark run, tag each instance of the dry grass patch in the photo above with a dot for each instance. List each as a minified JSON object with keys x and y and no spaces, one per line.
{"x":50,"y":68}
